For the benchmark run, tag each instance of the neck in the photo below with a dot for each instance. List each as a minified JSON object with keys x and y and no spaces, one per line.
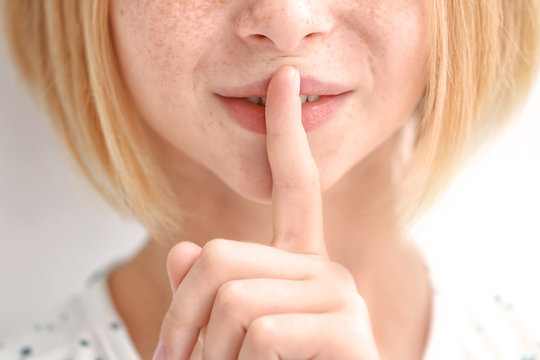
{"x":361,"y":232}
{"x":359,"y":212}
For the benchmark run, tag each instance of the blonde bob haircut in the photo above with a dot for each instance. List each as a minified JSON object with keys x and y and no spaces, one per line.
{"x":482,"y":62}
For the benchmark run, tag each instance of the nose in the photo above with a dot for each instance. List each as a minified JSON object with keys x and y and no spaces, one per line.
{"x":284,"y":24}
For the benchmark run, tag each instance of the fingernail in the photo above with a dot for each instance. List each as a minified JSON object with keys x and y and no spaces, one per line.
{"x":297,"y":80}
{"x":160,"y":352}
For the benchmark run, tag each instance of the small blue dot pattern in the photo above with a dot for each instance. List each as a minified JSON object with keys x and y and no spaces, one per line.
{"x":68,"y":334}
{"x":84,"y":342}
{"x":26,"y":351}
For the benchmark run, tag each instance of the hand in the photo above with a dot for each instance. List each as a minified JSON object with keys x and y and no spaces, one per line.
{"x":249,"y":301}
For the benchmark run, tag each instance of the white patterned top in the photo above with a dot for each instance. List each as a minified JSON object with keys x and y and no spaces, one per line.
{"x":481,"y":326}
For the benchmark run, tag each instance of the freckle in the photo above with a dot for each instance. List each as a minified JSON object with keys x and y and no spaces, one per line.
{"x":121,"y":12}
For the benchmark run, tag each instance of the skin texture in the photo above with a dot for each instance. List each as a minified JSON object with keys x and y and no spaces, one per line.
{"x":251,"y":310}
{"x":329,"y":222}
{"x":184,"y":51}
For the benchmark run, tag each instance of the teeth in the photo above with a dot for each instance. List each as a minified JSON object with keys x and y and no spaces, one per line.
{"x":262,"y":101}
{"x":254,"y":100}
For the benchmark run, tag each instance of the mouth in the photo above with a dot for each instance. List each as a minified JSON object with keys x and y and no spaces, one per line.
{"x":321,"y":101}
{"x":262,"y":100}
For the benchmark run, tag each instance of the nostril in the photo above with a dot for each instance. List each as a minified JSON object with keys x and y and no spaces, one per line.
{"x":264,"y":38}
{"x":260,"y":38}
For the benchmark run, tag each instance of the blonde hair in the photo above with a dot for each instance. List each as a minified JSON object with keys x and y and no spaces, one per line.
{"x":483,"y":60}
{"x":483,"y":57}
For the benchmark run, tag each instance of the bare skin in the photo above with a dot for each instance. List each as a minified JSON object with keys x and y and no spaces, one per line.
{"x":176,"y":57}
{"x":389,"y":272}
{"x":405,"y":338}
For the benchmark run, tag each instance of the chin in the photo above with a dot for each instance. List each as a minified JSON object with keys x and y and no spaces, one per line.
{"x":259,"y":190}
{"x":259,"y":198}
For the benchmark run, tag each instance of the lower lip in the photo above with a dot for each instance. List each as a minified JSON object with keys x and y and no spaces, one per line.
{"x":314,"y":115}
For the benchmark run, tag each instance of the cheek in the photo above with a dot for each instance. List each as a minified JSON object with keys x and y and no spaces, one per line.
{"x":394,"y":38}
{"x":159,"y":45}
{"x":396,"y":35}
{"x":166,"y":53}
{"x":159,"y":41}
{"x":169,"y":49}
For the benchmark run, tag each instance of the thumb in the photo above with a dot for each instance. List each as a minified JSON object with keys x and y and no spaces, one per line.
{"x":179,"y":260}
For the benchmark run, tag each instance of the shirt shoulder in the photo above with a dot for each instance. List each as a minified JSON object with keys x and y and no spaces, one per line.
{"x":85,"y":326}
{"x":480,"y":323}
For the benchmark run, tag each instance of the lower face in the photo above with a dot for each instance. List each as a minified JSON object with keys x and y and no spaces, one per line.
{"x":179,"y":59}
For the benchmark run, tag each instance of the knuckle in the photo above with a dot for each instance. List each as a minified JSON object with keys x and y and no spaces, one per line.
{"x":306,"y":180}
{"x":288,"y":185}
{"x":289,"y":237}
{"x":354,"y":324}
{"x":358,"y":327}
{"x":173,"y":320}
{"x":359,"y":306}
{"x":213,"y":251}
{"x":260,"y":332}
{"x":342,"y":274}
{"x":320,"y":269}
{"x":229,"y":298}
{"x":211,"y":262}
{"x":341,"y":283}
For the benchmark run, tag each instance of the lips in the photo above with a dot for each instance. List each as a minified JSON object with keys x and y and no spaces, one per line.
{"x":314,"y":114}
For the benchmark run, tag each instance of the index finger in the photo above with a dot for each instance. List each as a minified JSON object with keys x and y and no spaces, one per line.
{"x":296,"y":190}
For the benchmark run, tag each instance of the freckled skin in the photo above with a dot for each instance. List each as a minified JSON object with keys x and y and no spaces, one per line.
{"x":174,"y":55}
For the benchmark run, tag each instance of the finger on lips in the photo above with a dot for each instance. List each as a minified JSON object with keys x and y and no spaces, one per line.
{"x":296,"y":193}
{"x":196,"y":275}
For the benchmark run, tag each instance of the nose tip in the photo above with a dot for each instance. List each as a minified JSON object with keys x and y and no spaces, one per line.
{"x":282,"y":24}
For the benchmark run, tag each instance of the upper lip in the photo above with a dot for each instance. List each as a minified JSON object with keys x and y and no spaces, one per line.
{"x":308,"y":86}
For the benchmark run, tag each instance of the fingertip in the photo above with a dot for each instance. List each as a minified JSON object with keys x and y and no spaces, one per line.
{"x":294,"y":74}
{"x":160,"y":353}
{"x":184,"y":250}
{"x":296,"y":79}
{"x":179,"y":260}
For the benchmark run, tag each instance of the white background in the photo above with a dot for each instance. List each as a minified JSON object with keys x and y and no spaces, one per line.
{"x":55,"y":230}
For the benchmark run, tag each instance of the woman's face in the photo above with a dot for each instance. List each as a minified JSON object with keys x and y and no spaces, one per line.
{"x":190,"y":64}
